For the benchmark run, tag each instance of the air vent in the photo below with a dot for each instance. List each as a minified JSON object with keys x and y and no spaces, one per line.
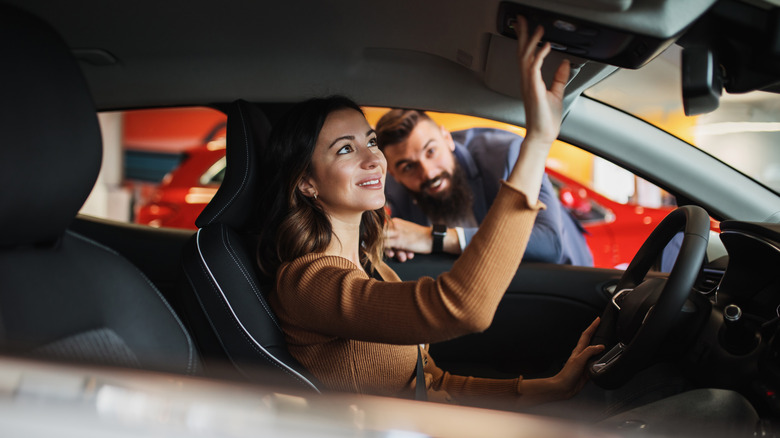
{"x":709,"y":280}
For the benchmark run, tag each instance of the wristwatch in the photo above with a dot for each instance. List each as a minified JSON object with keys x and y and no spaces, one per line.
{"x":438,"y":232}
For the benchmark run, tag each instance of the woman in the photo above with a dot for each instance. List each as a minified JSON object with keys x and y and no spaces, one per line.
{"x":324,"y":242}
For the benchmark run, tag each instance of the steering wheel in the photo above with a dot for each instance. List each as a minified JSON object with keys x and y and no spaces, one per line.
{"x":643,"y":311}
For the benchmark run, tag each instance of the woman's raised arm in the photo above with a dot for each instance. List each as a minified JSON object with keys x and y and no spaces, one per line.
{"x":543,"y":110}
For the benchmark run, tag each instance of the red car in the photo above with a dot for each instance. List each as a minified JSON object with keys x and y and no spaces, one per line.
{"x":184,"y":192}
{"x":615,"y":230}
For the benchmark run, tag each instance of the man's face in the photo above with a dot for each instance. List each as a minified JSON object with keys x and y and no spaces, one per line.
{"x":425,"y":161}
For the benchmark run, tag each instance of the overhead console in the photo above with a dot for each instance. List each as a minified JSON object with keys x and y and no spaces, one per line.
{"x":586,"y":39}
{"x":595,"y":36}
{"x":727,"y":44}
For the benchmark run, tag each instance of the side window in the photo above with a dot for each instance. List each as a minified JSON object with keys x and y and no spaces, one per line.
{"x":163,"y":166}
{"x":617,"y":209}
{"x":160,"y":166}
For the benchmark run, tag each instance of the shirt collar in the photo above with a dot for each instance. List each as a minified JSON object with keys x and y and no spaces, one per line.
{"x":465,"y":160}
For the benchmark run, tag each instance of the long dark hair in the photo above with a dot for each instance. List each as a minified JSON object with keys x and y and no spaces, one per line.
{"x":293,"y":224}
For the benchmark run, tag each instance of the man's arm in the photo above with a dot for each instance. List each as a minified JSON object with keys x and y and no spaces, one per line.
{"x":408,"y":231}
{"x":545,"y":244}
{"x":404,"y":238}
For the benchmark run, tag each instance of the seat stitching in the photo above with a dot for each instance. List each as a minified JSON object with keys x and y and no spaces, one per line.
{"x":246,"y":337}
{"x":245,"y":273}
{"x":237,"y":321}
{"x":246,"y":167}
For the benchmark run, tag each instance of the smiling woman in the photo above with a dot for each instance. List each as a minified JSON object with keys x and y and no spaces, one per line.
{"x":330,"y":150}
{"x":322,"y":243}
{"x":348,"y":171}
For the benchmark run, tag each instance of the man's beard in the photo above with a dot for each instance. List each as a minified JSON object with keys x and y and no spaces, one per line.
{"x":453,"y":207}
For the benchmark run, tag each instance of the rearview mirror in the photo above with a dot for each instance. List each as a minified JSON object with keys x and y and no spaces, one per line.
{"x":702,"y":81}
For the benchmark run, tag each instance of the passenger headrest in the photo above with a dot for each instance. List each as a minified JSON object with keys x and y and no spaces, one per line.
{"x":235,"y":203}
{"x":50,"y":149}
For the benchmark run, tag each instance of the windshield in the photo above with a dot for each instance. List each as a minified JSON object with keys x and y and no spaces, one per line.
{"x":743,"y":132}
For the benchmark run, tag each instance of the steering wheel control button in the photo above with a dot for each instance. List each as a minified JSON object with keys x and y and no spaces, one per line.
{"x":619,"y":296}
{"x":565,"y":25}
{"x":608,"y":358}
{"x":632,"y":425}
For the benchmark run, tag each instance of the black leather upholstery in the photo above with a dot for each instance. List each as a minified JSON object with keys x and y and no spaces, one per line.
{"x":227,"y":310}
{"x":62,"y":295}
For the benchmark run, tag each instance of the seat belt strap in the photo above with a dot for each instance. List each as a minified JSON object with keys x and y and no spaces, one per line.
{"x":419,"y":391}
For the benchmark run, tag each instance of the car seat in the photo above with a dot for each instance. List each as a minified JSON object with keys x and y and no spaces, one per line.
{"x":226,"y":308}
{"x":63,"y":296}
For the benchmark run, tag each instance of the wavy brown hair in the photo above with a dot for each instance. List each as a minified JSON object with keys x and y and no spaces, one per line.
{"x":293,"y":224}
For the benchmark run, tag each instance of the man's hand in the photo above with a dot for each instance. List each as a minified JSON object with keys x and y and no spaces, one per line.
{"x":403,"y":239}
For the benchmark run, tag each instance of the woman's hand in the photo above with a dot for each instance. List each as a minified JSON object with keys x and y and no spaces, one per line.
{"x":572,"y":377}
{"x":543,"y":107}
{"x":569,"y":381}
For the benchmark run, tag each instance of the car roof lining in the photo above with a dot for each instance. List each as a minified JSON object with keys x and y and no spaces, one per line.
{"x":392,"y":48}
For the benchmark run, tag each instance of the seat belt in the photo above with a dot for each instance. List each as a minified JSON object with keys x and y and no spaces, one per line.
{"x":419,"y":390}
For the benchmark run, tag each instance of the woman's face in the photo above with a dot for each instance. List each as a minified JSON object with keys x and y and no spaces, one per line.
{"x":348,"y":169}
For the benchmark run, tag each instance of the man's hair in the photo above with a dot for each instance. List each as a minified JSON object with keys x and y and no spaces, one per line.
{"x":396,"y":125}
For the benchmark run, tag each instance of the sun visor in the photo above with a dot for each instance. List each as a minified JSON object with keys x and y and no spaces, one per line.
{"x":502,"y":72}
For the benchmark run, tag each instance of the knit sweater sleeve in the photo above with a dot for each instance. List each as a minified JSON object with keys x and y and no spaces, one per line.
{"x":475,"y":391}
{"x":331,"y":296}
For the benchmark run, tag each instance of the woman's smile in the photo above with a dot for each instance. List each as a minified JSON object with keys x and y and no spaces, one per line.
{"x":374,"y":183}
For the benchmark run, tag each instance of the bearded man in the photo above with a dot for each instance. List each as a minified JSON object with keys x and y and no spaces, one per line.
{"x":441,"y":185}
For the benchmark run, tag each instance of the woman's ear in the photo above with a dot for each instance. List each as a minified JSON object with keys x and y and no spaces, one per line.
{"x":307,"y":187}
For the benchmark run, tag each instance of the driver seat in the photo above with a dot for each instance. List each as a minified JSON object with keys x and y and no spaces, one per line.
{"x":224,"y":298}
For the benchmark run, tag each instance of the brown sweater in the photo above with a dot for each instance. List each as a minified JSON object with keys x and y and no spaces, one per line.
{"x":359,"y":334}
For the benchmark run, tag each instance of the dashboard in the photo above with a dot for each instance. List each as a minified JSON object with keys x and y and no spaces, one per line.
{"x":739,"y":345}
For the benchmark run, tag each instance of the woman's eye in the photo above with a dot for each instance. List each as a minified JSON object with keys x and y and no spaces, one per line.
{"x":372,"y":143}
{"x":344,"y":150}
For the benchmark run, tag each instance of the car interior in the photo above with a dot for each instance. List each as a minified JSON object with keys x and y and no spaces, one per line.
{"x":80,"y":289}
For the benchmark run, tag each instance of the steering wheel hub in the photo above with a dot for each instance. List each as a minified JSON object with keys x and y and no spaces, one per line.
{"x":636,"y":306}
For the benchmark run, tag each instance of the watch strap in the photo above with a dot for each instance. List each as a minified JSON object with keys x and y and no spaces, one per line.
{"x":438,"y":232}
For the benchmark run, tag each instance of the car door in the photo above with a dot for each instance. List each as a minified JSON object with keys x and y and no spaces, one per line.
{"x":537,"y":323}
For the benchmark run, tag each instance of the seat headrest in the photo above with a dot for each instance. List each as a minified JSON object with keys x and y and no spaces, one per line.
{"x":51,"y":146}
{"x":235,"y":203}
